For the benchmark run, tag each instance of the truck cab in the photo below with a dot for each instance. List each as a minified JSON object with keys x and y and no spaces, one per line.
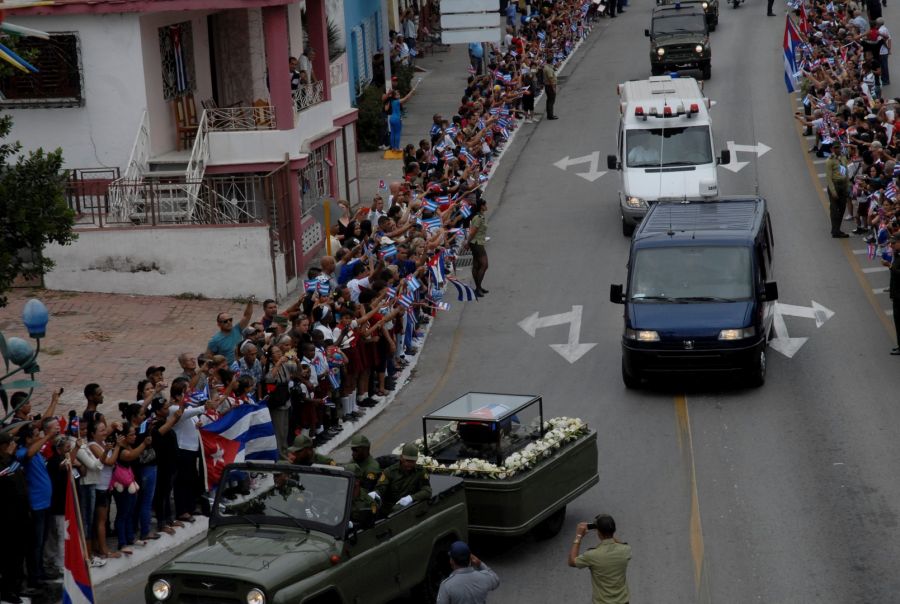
{"x":700,"y":292}
{"x":664,"y":146}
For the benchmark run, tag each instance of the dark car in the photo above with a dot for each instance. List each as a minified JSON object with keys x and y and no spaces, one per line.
{"x":281,"y":533}
{"x":700,"y":295}
{"x":709,"y":7}
{"x":679,"y":40}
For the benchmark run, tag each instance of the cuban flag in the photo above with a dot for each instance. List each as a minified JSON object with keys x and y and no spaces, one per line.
{"x":507,"y":78}
{"x":77,"y":587}
{"x":870,"y":251}
{"x":541,"y":36}
{"x":442,"y":200}
{"x":244,"y":433}
{"x":891,"y":191}
{"x":465,"y":153}
{"x":437,"y":275}
{"x":430,"y":204}
{"x":310,"y":285}
{"x":390,"y":293}
{"x":406,"y":300}
{"x":387,"y":251}
{"x":465,"y":210}
{"x":448,"y":156}
{"x":430,"y":224}
{"x":504,"y":132}
{"x":464,"y":292}
{"x":334,"y":376}
{"x":412,"y":284}
{"x":442,"y":305}
{"x":451,"y":130}
{"x":791,"y":44}
{"x":323,"y":287}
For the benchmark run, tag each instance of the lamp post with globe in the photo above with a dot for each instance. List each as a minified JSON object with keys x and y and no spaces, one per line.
{"x":21,"y":355}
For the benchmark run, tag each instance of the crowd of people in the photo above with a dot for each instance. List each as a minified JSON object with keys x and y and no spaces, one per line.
{"x":317,"y":365}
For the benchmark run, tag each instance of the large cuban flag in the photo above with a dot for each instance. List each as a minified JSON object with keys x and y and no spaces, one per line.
{"x":243,"y":434}
{"x":76,"y":576}
{"x":791,"y":44}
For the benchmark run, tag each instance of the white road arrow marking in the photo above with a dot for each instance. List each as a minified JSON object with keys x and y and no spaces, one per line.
{"x":592,"y":174}
{"x":572,"y":350}
{"x":782,"y":342}
{"x":736,"y":166}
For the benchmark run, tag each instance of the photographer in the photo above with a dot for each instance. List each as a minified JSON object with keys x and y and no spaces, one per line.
{"x":608,"y":561}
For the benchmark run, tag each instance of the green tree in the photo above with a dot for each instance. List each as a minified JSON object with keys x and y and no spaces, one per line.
{"x":33,"y":209}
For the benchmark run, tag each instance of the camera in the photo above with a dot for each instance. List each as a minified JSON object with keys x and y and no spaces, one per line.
{"x":592,"y":526}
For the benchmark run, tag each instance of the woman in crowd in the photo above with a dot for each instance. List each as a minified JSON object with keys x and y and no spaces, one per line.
{"x":107,"y":449}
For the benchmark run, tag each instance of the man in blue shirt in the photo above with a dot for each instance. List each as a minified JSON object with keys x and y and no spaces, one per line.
{"x":229,"y":335}
{"x":476,"y":56}
{"x":39,"y":491}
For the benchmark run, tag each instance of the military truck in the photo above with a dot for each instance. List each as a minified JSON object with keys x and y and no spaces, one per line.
{"x":679,"y":40}
{"x":282,"y":533}
{"x":709,"y":7}
{"x":520,"y":470}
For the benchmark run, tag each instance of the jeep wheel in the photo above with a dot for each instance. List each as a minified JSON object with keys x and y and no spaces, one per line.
{"x":656,"y":71}
{"x":627,"y":229}
{"x":551,"y":525}
{"x":631,"y":381}
{"x":438,"y":570}
{"x":706,"y":71}
{"x":756,"y":375}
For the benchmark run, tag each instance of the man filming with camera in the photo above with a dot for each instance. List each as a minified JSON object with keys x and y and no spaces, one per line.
{"x":608,"y":561}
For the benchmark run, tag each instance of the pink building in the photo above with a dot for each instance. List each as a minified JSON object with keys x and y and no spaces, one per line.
{"x":194,"y":168}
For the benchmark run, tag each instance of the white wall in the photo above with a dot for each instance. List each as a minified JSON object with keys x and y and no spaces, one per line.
{"x":100,"y":133}
{"x":218,"y":262}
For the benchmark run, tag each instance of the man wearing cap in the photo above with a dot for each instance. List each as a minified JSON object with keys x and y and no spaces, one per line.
{"x":403,"y":483}
{"x":302,"y":453}
{"x":470,"y":579}
{"x":550,"y":80}
{"x":608,"y":561}
{"x":359,"y":447}
{"x":836,"y":177}
{"x":363,"y":508}
{"x":155,"y":374}
{"x":894,"y":288}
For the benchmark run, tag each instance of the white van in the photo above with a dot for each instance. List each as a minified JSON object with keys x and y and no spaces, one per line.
{"x":665,"y":146}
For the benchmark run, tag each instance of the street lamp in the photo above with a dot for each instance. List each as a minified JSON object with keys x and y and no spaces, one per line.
{"x":21,"y":355}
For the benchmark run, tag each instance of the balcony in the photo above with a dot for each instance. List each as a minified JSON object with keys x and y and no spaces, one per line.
{"x":308,"y":95}
{"x":241,"y":119}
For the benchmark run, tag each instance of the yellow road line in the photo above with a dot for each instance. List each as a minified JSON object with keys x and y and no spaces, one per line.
{"x":686,"y":445}
{"x":844,"y":243}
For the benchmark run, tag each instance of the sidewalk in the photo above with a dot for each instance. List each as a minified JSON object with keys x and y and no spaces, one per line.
{"x":440,"y":91}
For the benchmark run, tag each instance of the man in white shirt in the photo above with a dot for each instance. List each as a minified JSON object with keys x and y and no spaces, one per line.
{"x":187,"y":487}
{"x":885,"y":51}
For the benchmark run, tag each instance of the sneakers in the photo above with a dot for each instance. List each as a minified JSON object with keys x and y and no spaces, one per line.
{"x":859,"y":231}
{"x":95,"y":563}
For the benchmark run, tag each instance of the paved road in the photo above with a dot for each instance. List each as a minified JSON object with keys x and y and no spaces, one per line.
{"x":781,"y":494}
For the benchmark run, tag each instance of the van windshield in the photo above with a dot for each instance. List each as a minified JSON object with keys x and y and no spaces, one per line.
{"x":688,"y":146}
{"x":691,"y":274}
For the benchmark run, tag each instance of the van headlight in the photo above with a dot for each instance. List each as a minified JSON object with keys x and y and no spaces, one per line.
{"x":256,"y":596}
{"x":635,"y":202}
{"x":737,"y":334}
{"x":660,"y":52}
{"x":641,"y":335}
{"x":699,"y":49}
{"x":161,"y":589}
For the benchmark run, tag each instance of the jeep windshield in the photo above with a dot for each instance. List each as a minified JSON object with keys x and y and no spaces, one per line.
{"x":679,"y":24}
{"x":285,"y":495}
{"x":691,"y":274}
{"x":660,"y":147}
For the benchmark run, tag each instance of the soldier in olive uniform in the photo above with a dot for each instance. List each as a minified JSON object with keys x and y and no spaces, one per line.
{"x":359,"y":446}
{"x":894,"y":266}
{"x":363,"y":508}
{"x":403,"y":483}
{"x":302,"y":453}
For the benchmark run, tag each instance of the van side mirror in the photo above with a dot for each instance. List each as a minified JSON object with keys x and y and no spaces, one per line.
{"x":647,"y":32}
{"x":771,"y":292}
{"x":725,"y":157}
{"x":611,"y":162}
{"x":616,"y":295}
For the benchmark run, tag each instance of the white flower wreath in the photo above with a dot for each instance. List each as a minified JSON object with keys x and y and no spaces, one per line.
{"x":558,"y":431}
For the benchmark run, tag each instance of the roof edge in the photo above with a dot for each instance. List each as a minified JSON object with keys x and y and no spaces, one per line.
{"x":105,"y":7}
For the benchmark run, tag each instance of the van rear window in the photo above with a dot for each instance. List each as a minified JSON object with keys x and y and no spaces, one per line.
{"x":653,"y":147}
{"x":691,"y":274}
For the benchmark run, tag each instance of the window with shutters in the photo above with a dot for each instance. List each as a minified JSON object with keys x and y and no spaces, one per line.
{"x":58,"y":81}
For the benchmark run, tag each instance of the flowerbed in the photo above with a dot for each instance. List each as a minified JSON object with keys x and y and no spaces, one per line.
{"x":559,"y":431}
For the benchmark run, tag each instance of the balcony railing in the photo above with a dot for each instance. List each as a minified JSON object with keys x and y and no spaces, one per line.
{"x":308,"y":95}
{"x":240,"y":119}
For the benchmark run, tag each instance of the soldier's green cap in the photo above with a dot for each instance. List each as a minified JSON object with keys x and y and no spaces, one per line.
{"x":410,"y":452}
{"x":359,"y":440}
{"x":355,"y":469}
{"x":300,"y":443}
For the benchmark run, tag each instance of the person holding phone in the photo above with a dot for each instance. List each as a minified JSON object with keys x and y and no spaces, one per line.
{"x":608,"y":561}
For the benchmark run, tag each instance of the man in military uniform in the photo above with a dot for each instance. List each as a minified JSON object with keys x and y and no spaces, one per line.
{"x":894,"y":289}
{"x":359,"y":446}
{"x":403,"y":483}
{"x":363,"y":508}
{"x":838,"y":181}
{"x":302,"y":453}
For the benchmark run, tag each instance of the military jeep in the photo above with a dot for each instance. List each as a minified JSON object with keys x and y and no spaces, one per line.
{"x":709,"y":7}
{"x":284,"y":534}
{"x":679,"y":40}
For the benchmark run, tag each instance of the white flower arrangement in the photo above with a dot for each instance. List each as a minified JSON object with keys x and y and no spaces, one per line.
{"x":558,"y":431}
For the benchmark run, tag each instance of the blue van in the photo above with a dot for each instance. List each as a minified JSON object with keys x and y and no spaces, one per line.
{"x":700,"y":294}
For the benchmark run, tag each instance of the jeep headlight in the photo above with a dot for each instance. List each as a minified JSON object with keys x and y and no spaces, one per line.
{"x":660,"y":52}
{"x":699,"y":49}
{"x":635,"y":202}
{"x":256,"y":596}
{"x":705,"y":5}
{"x":161,"y":589}
{"x":641,"y":335}
{"x":737,"y":334}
